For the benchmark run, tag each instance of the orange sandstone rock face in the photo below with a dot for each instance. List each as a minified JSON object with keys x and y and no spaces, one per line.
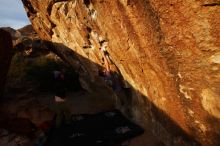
{"x":168,"y":51}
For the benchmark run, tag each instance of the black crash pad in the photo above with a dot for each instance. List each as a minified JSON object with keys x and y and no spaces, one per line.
{"x":103,"y":129}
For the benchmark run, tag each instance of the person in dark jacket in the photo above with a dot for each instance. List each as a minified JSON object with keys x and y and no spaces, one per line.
{"x":60,"y":108}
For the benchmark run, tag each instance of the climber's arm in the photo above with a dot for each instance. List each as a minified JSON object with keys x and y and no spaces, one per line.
{"x":106,"y":64}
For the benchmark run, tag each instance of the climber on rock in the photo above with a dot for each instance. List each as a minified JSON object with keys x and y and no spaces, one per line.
{"x":111,"y":79}
{"x":106,"y":73}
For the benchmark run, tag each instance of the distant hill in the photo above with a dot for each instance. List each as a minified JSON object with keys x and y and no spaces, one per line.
{"x":28,"y":31}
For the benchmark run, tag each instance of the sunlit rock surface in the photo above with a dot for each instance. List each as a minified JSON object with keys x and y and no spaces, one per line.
{"x":168,"y":51}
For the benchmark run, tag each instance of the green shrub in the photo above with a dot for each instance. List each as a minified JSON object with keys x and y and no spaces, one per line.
{"x":41,"y":72}
{"x":37,"y":73}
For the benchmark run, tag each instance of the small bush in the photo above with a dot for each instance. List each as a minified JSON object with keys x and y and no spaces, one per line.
{"x":17,"y":72}
{"x":37,"y":73}
{"x":41,"y":72}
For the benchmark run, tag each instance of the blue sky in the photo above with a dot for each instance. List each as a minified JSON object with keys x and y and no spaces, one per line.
{"x":12,"y":14}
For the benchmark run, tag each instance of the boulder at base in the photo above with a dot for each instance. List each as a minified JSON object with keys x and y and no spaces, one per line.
{"x":5,"y":57}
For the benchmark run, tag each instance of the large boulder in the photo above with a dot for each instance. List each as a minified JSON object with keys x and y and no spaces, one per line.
{"x":168,"y":51}
{"x":15,"y":34}
{"x":5,"y":57}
